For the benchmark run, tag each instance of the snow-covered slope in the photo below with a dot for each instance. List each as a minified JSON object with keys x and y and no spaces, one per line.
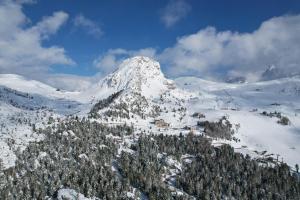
{"x":244,"y":104}
{"x":140,"y":80}
{"x":144,"y":95}
{"x":25,"y":106}
{"x":23,"y":84}
{"x":285,"y":91}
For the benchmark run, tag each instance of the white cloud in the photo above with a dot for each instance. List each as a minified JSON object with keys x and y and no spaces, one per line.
{"x":21,"y":49}
{"x":66,"y":81}
{"x":208,"y":51}
{"x":112,"y":58}
{"x":174,"y":11}
{"x":50,"y":24}
{"x":212,"y":54}
{"x":88,"y":25}
{"x":26,"y":1}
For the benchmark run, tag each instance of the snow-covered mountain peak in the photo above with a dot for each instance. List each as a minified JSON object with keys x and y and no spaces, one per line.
{"x":139,"y":75}
{"x":271,"y":68}
{"x":273,"y":72}
{"x":143,"y":64}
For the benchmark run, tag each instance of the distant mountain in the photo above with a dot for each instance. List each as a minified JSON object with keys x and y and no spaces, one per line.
{"x":272,"y":72}
{"x":235,"y":79}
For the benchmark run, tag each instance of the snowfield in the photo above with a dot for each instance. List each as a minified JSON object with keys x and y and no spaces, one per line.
{"x":143,"y":85}
{"x":244,"y":103}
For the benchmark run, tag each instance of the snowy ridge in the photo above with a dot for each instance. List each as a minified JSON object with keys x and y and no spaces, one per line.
{"x":27,"y":101}
{"x":22,"y":84}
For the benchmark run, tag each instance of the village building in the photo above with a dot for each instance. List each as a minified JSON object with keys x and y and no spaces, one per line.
{"x":192,"y":129}
{"x":161,"y":123}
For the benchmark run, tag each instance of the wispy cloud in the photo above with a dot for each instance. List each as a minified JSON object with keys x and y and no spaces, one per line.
{"x":91,"y":27}
{"x":26,"y":1}
{"x":21,"y":48}
{"x":67,"y":81}
{"x":174,"y":11}
{"x":50,"y":24}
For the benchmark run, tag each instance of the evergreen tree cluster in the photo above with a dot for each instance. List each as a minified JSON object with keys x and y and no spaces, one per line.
{"x":224,"y":174}
{"x":143,"y":169}
{"x":94,"y":160}
{"x":283,"y":120}
{"x":125,"y":107}
{"x":212,"y":173}
{"x":220,"y":129}
{"x":103,"y":103}
{"x":75,"y":154}
{"x":219,"y":172}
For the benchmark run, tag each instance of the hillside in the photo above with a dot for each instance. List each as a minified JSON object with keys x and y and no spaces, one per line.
{"x":136,"y":123}
{"x":244,"y":105}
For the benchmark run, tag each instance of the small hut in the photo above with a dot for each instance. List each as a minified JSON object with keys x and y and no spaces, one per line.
{"x":161,"y":123}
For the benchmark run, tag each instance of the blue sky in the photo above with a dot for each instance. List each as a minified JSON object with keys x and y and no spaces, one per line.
{"x":96,"y":35}
{"x":136,"y":24}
